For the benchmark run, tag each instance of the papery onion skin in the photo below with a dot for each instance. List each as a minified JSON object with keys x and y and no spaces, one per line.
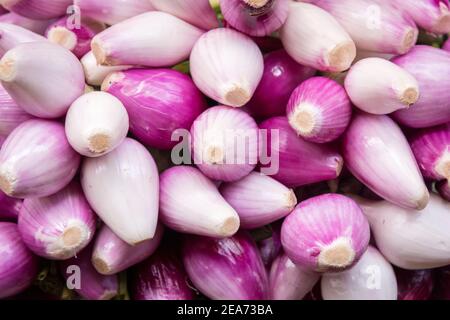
{"x":300,"y":162}
{"x":377,"y":153}
{"x":289,"y":281}
{"x":11,"y":115}
{"x":220,"y":69}
{"x":161,"y":277}
{"x":146,"y":40}
{"x":191,"y":203}
{"x":254,"y":19}
{"x":225,"y":143}
{"x":410,"y":239}
{"x":414,"y":284}
{"x":73,"y":37}
{"x":112,"y":255}
{"x":259,"y":200}
{"x":39,"y":92}
{"x":18,"y":266}
{"x":431,"y":148}
{"x":430,"y":66}
{"x":37,"y":9}
{"x":112,"y":11}
{"x":319,"y":42}
{"x":129,"y":176}
{"x":160,"y":102}
{"x":319,"y":110}
{"x":57,"y":227}
{"x":378,"y":86}
{"x":34,"y":142}
{"x":372,"y":278}
{"x":374,"y":25}
{"x":211,"y":263}
{"x":281,"y":76}
{"x":327,"y":233}
{"x":93,"y":285}
{"x":13,"y":35}
{"x":37,"y":26}
{"x":196,"y":12}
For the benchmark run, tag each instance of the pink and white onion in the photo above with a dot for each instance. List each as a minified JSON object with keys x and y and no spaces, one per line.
{"x":225,"y":143}
{"x":378,"y":154}
{"x":328,"y":233}
{"x":36,"y":160}
{"x":129,"y":177}
{"x":59,"y":226}
{"x":220,"y":66}
{"x":191,"y":203}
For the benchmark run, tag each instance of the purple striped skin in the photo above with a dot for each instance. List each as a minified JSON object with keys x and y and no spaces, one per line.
{"x":146,"y":40}
{"x":216,"y":147}
{"x":325,"y":107}
{"x":35,"y":142}
{"x":11,"y":115}
{"x":82,"y":34}
{"x":112,"y":11}
{"x":430,"y":66}
{"x":41,"y":94}
{"x":9,"y":207}
{"x":38,"y":26}
{"x":254,"y":21}
{"x":18,"y":266}
{"x":300,"y":162}
{"x":220,"y":69}
{"x":444,"y":189}
{"x":377,"y":153}
{"x":44,"y":223}
{"x":226,"y":269}
{"x":374,"y":25}
{"x":431,"y":148}
{"x":158,"y":101}
{"x":161,"y":277}
{"x":93,"y":285}
{"x":414,"y":284}
{"x":38,"y":9}
{"x":112,"y":255}
{"x":431,"y":15}
{"x":199,"y":13}
{"x":321,"y":222}
{"x":281,"y":76}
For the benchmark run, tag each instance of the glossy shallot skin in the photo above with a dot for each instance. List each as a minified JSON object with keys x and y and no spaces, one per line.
{"x":210,"y":263}
{"x":161,"y":277}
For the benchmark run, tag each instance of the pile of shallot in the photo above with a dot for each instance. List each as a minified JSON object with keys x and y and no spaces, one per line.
{"x":225,"y":149}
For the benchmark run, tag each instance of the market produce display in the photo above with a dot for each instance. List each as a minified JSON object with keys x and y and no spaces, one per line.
{"x":224,"y":150}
